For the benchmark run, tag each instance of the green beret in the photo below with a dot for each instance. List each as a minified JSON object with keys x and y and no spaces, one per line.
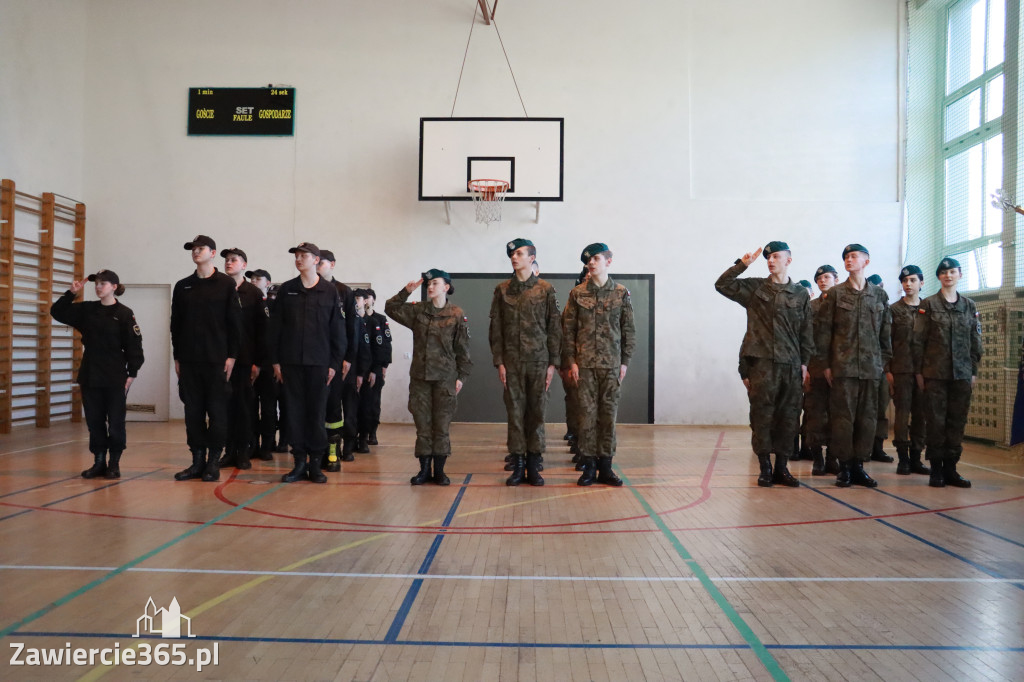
{"x":593,"y":250}
{"x":511,"y":247}
{"x":805,"y":284}
{"x":909,"y":270}
{"x":823,"y":269}
{"x":947,"y":263}
{"x":876,"y":280}
{"x":775,"y":247}
{"x":855,"y":247}
{"x":434,"y":273}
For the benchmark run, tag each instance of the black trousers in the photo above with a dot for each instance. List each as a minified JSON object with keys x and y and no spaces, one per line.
{"x":343,"y":403}
{"x":369,"y":405}
{"x":104,"y":415}
{"x":265,"y":406}
{"x":205,"y":393}
{"x":305,"y":391}
{"x":243,"y":401}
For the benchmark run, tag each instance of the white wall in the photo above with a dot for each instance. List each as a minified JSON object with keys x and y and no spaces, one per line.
{"x":695,"y":131}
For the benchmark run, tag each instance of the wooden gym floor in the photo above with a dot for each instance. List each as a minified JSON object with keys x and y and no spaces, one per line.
{"x":690,"y":571}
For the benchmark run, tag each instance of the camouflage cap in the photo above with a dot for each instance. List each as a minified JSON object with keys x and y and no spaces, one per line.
{"x":775,"y":247}
{"x":822,"y":270}
{"x":876,"y":280}
{"x":946,"y":263}
{"x":434,"y":273}
{"x":511,"y":247}
{"x":909,"y":270}
{"x":592,"y":250}
{"x":855,"y":247}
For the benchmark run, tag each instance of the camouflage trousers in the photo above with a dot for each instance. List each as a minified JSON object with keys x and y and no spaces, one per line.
{"x":432,"y":404}
{"x":526,"y":399}
{"x":908,"y":400}
{"x":572,"y":409}
{"x":946,"y":407}
{"x":775,"y":392}
{"x":882,"y":425}
{"x":853,"y":410}
{"x":598,"y":396}
{"x":816,"y":413}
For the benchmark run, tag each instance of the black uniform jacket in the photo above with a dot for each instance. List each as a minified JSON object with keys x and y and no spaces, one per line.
{"x":255,"y":317}
{"x":348,"y":308}
{"x":380,"y":341}
{"x":111,"y":336}
{"x":306,"y":326}
{"x":206,"y":319}
{"x":364,"y":357}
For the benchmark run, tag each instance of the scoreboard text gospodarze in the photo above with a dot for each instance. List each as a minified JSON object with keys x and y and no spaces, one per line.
{"x":241,"y":111}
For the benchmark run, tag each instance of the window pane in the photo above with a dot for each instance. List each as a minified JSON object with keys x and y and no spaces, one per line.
{"x":994,"y":98}
{"x":963,"y":195}
{"x":993,"y":181}
{"x":963,"y":115}
{"x":996,"y":33}
{"x":982,"y":268}
{"x":965,"y":46}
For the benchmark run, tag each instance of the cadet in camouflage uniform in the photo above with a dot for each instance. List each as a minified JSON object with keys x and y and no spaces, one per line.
{"x":776,"y":349}
{"x":854,"y":335}
{"x":878,"y":454}
{"x":599,"y":341}
{"x":440,"y":363}
{"x":908,"y":399}
{"x":525,"y":337}
{"x":947,"y":350}
{"x":572,"y":408}
{"x":816,"y":390}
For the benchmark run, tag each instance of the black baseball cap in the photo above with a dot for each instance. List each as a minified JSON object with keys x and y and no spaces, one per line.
{"x":308,"y":247}
{"x":258,"y":273}
{"x":234,"y":251}
{"x":328,"y":255}
{"x":201,"y":240}
{"x":105,"y":276}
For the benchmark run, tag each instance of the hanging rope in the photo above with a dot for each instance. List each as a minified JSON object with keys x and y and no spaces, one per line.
{"x":509,"y":67}
{"x":476,"y":9}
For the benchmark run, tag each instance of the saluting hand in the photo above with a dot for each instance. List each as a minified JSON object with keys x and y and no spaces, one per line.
{"x":749,"y":258}
{"x":413,"y":286}
{"x":78,"y":285}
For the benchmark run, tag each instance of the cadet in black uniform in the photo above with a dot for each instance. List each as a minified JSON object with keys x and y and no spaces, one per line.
{"x":364,"y":364}
{"x":247,"y":366}
{"x":205,"y":331}
{"x":306,"y":344}
{"x":265,"y":412}
{"x":110,"y":363}
{"x":380,"y":347}
{"x":344,"y":392}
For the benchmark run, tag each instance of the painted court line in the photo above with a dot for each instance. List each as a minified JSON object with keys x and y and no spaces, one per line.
{"x":954,"y":519}
{"x":42,"y":447}
{"x":85,"y":492}
{"x":41,"y":485}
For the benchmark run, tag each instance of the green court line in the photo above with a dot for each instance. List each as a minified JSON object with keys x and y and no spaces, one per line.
{"x":131,"y":564}
{"x":758,"y":647}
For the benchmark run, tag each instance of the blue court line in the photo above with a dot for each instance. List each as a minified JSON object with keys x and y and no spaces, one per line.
{"x":124,"y":567}
{"x":403,"y":611}
{"x":71,"y":497}
{"x":949,"y":552}
{"x":41,"y":485}
{"x":544,"y":645}
{"x":953,"y":518}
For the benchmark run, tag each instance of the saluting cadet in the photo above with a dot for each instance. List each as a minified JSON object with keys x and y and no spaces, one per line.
{"x":306,"y":344}
{"x":254,"y":316}
{"x":340,"y":424}
{"x":854,"y":336}
{"x":908,"y":399}
{"x":205,"y":333}
{"x":265,"y":414}
{"x":110,"y":363}
{"x":440,"y":365}
{"x":816,"y":389}
{"x":776,"y":349}
{"x":599,"y":342}
{"x":380,"y":346}
{"x":878,"y":454}
{"x":364,"y":362}
{"x":525,"y":336}
{"x":947,"y":350}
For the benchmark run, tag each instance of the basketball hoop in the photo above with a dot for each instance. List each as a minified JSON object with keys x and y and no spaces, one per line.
{"x":487,"y":198}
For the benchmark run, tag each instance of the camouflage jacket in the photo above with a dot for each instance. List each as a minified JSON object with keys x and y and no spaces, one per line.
{"x":598,"y":326}
{"x":816,"y":367}
{"x":903,"y":318}
{"x":440,"y":338}
{"x":853,"y":332}
{"x":779,"y":319}
{"x":525,"y":326}
{"x":947,"y":338}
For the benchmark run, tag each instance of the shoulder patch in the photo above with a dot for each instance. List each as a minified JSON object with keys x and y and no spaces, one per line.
{"x":387,"y":333}
{"x":380,"y":339}
{"x":138,"y":332}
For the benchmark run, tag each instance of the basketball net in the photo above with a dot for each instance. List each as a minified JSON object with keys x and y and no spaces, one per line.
{"x":488,"y":196}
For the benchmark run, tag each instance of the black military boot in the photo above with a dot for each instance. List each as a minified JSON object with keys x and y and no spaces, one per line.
{"x":589,"y":470}
{"x":795,"y":457}
{"x":781,"y":473}
{"x":113,"y":466}
{"x":903,"y":453}
{"x":439,"y":476}
{"x":765,"y":479}
{"x":362,"y":447}
{"x":831,"y":462}
{"x":281,"y":447}
{"x":266,"y":450}
{"x":313,"y":468}
{"x":518,"y":470}
{"x":844,"y":475}
{"x":575,"y":459}
{"x":99,"y":466}
{"x":860,"y":477}
{"x":533,"y":469}
{"x":818,"y":467}
{"x":194,"y":471}
{"x":371,"y":439}
{"x":243,"y":458}
{"x":877,"y":453}
{"x":566,"y":436}
{"x":298,"y":472}
{"x":916,"y":465}
{"x":425,"y":475}
{"x":950,"y":475}
{"x":211,"y":472}
{"x":605,"y":474}
{"x":333,"y":454}
{"x":347,"y":446}
{"x":510,"y":462}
